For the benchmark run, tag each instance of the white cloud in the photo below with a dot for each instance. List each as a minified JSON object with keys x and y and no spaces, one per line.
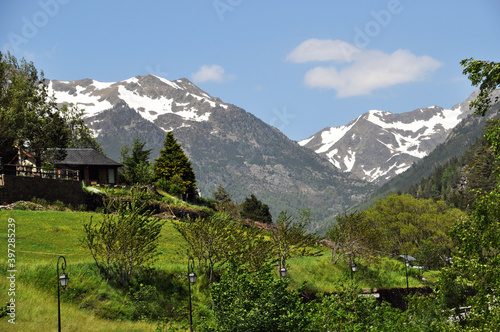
{"x":362,"y":70}
{"x":214,"y":73}
{"x":323,"y":50}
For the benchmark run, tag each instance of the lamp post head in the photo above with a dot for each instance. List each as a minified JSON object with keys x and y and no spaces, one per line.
{"x":63,"y":279}
{"x":192,"y":277}
{"x":283,"y":272}
{"x":354,"y":267}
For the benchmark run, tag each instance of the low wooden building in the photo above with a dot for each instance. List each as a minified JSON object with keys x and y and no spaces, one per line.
{"x":93,"y":166}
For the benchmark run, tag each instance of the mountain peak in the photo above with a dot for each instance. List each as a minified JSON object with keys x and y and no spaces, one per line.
{"x":378,"y":145}
{"x":153,"y":97}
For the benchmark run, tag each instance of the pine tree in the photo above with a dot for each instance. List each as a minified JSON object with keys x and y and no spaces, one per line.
{"x":136,"y":161}
{"x":254,"y":209}
{"x":173,"y":171}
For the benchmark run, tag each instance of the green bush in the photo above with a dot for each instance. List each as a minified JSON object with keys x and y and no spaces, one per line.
{"x":40,"y":201}
{"x":59,"y":206}
{"x":244,"y":301}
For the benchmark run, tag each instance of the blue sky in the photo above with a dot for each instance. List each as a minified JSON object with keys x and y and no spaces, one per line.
{"x":298,"y":65}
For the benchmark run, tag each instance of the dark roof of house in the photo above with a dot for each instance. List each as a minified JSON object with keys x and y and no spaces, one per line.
{"x":87,"y":157}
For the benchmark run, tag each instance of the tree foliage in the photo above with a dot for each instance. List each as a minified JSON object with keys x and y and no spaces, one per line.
{"x":212,"y":241}
{"x":221,"y":196}
{"x":224,"y":201}
{"x":137,"y":167}
{"x":173,"y":171}
{"x":352,"y":235}
{"x":245,"y":301}
{"x":477,"y":261}
{"x":407,"y":225}
{"x":290,"y":237}
{"x":123,"y":242}
{"x":486,"y":75}
{"x":30,"y":118}
{"x":478,"y":258}
{"x":253,"y":209}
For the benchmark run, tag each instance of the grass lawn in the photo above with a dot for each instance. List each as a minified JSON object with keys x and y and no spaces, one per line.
{"x":45,"y":235}
{"x":42,"y":236}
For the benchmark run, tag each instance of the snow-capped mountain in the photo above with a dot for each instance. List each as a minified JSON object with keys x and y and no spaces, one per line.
{"x":226,"y":144}
{"x":379,"y":145}
{"x":153,"y":97}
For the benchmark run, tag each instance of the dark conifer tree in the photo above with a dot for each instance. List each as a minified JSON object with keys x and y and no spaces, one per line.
{"x":173,"y":171}
{"x":254,"y":209}
{"x":137,"y":167}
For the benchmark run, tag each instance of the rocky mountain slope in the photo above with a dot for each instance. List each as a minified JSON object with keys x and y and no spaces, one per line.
{"x":225,"y":144}
{"x":379,"y":145}
{"x":460,"y":139}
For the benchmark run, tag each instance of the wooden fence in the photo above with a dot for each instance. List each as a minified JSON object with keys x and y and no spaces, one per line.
{"x":45,"y":173}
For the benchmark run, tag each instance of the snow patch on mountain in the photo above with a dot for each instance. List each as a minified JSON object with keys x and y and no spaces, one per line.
{"x":151,"y":96}
{"x":90,"y":103}
{"x":150,"y":108}
{"x":349,"y":160}
{"x":379,"y":145}
{"x":448,"y":118}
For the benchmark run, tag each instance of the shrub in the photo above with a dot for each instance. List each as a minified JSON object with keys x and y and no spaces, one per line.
{"x":123,"y":242}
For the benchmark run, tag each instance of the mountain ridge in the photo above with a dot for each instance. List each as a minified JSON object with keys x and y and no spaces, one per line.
{"x":226,"y":144}
{"x":378,"y":145}
{"x":229,"y":146}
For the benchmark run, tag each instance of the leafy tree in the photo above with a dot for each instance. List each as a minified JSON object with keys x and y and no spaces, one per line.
{"x":172,"y":170}
{"x":224,"y":202}
{"x":212,"y":241}
{"x":347,"y":311}
{"x":81,"y":136}
{"x":244,"y":301}
{"x":123,"y":242}
{"x":477,"y":261}
{"x":486,"y":75}
{"x":255,"y":210}
{"x":30,"y":118}
{"x":137,"y":167}
{"x":352,"y":235}
{"x":478,"y":237}
{"x":405,"y":223}
{"x":290,"y":237}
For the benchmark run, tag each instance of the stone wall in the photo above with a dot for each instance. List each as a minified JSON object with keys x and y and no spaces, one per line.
{"x":19,"y":188}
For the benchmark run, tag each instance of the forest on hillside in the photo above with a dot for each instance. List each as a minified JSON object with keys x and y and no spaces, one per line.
{"x":460,"y":179}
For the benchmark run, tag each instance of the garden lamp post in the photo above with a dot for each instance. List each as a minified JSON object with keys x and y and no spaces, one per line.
{"x":353,"y":268}
{"x":192,"y":280}
{"x":62,"y":281}
{"x":283,"y":272}
{"x":407,"y":263}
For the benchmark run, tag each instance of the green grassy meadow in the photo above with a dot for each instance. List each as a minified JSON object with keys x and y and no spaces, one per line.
{"x":90,"y":304}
